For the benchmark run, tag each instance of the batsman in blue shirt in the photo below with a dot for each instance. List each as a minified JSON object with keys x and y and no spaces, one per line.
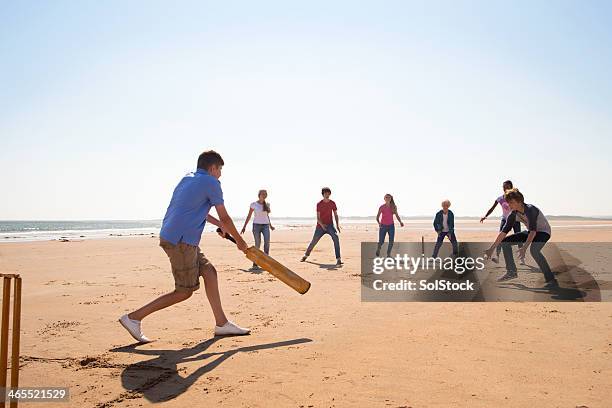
{"x":180,"y":237}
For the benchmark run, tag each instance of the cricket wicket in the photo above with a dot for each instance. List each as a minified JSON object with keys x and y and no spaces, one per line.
{"x":6,"y":304}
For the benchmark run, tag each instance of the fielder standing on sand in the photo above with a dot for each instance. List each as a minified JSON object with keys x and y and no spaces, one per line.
{"x":386,"y":225}
{"x":444,"y":225}
{"x":261,"y":222}
{"x":180,"y":236}
{"x":325,"y":225}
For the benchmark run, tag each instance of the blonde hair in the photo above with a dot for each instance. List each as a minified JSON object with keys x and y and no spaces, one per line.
{"x":514,"y":195}
{"x":446,"y":202}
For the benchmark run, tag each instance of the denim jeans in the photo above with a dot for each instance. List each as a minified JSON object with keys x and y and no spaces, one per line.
{"x":384,"y":230}
{"x":535,"y":249}
{"x":258,"y":231}
{"x":516,"y":228}
{"x":451,"y":237}
{"x":319,"y":232}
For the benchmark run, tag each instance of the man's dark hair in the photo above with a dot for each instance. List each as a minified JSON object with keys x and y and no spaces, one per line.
{"x":508,"y":183}
{"x":325,"y":190}
{"x":209,"y":158}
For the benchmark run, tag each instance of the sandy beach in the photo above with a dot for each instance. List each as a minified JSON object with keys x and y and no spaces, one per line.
{"x":322,"y":349}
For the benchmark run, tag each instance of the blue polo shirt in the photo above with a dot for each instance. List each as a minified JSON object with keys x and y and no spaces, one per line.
{"x":186,"y":215}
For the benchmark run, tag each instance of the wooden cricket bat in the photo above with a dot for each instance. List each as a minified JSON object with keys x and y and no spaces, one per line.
{"x":277,"y":269}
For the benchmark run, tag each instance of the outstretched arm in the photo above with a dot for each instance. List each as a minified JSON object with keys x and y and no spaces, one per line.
{"x":216,"y":222}
{"x":489,"y":212}
{"x":498,"y":240}
{"x":246,"y":222}
{"x":502,"y":234}
{"x":532,"y":216}
{"x":213,"y":221}
{"x":228,"y":225}
{"x":523,"y":249}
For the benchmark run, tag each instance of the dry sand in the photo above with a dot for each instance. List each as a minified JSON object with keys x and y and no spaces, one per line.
{"x":323,"y":349}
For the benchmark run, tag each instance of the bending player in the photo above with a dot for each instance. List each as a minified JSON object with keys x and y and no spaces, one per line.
{"x":507,"y":185}
{"x":180,"y":236}
{"x":537,"y":234}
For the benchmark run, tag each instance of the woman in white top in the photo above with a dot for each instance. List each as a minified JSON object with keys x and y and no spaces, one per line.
{"x":261,"y":221}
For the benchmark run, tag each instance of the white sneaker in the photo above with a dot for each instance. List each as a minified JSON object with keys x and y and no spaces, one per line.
{"x":133,"y":327}
{"x":231,"y":329}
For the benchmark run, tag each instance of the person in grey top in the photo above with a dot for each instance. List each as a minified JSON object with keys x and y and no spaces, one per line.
{"x":537,"y":234}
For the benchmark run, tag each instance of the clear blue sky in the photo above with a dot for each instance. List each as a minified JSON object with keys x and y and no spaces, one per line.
{"x":105,"y":105}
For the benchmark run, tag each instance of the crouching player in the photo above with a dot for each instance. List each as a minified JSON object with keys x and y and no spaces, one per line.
{"x":537,"y":234}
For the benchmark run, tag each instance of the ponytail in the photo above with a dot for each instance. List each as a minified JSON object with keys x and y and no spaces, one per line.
{"x":392,"y":204}
{"x":265,"y":205}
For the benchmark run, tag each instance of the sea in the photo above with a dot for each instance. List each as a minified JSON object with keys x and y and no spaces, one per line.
{"x":23,"y":231}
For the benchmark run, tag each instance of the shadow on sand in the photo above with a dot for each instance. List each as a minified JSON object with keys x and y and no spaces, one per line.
{"x":158,"y":379}
{"x":329,"y":267}
{"x":559,"y":293}
{"x":258,"y":271}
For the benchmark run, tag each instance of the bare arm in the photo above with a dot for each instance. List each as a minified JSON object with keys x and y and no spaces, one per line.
{"x":228,"y":225}
{"x":494,"y":245}
{"x":378,"y":217}
{"x":530,"y":238}
{"x":398,"y":218}
{"x":246,"y":222}
{"x":489,"y":212}
{"x":213,"y":221}
{"x":270,"y":221}
{"x":337,"y":219}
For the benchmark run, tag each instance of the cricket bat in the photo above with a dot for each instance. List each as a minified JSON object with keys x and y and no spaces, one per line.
{"x":271,"y":265}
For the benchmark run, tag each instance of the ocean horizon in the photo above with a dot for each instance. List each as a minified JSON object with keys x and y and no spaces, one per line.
{"x":43,"y":230}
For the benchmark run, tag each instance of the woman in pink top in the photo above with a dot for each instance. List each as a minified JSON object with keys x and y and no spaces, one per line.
{"x":384,"y":218}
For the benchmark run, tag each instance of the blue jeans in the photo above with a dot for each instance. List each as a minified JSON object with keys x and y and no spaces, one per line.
{"x":516,"y":228}
{"x":451,"y":237}
{"x":384,"y":230}
{"x":319,"y":232}
{"x":540,"y":239}
{"x":258,"y":231}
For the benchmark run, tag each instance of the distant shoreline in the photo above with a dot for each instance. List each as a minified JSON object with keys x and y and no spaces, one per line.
{"x":350,"y":217}
{"x":28,"y":231}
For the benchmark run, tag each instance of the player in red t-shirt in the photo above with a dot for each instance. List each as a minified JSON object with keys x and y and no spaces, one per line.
{"x":325,"y":225}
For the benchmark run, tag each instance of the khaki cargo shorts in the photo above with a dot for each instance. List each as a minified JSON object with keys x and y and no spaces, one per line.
{"x":188,"y":264}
